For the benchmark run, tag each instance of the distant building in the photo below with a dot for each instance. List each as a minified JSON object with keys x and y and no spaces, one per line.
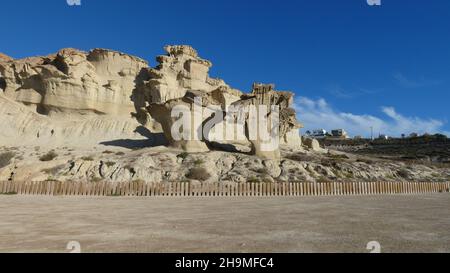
{"x":339,"y":133}
{"x":385,"y":137}
{"x":318,"y":133}
{"x":413,"y":135}
{"x":358,"y":137}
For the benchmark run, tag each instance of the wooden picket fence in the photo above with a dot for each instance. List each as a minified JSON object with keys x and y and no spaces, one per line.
{"x":57,"y":188}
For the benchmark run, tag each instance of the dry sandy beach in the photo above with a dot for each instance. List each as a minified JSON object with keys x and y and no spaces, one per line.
{"x":306,"y":224}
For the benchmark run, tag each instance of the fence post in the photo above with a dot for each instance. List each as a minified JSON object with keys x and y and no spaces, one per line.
{"x":182,"y":185}
{"x":152,"y":188}
{"x":7,"y":187}
{"x":20,"y":188}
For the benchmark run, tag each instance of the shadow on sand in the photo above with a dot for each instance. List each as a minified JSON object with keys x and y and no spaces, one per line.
{"x":153,"y":140}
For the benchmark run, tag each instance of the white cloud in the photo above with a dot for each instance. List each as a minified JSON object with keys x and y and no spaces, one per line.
{"x":405,"y":82}
{"x":315,"y":114}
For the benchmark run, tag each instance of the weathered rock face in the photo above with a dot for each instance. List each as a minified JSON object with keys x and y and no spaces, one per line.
{"x":288,"y":131}
{"x":179,"y":71}
{"x":100,"y":81}
{"x":181,"y":74}
{"x":162,"y":165}
{"x":74,"y":94}
{"x":313,"y":144}
{"x":5,"y":58}
{"x":69,"y":98}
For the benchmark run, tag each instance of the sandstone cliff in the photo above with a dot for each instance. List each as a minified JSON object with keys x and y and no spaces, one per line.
{"x":75,"y":97}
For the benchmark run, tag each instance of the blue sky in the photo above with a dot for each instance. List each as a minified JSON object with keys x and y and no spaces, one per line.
{"x":351,"y":65}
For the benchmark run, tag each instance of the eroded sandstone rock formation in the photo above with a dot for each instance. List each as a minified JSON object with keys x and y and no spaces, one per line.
{"x":100,"y":81}
{"x":77,"y":94}
{"x":181,"y":75}
{"x":288,"y":131}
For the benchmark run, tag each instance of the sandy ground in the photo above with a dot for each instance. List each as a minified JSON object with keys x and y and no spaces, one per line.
{"x":307,"y":224}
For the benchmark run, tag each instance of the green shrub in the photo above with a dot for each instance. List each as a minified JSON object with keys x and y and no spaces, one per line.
{"x":363,"y":160}
{"x":198,"y":162}
{"x":5,"y":159}
{"x":337,"y":156}
{"x":54,"y":170}
{"x":300,"y":157}
{"x":200,"y":174}
{"x":323,"y":179}
{"x":110,"y":163}
{"x":253,"y":179}
{"x":349,"y":175}
{"x":183,"y":155}
{"x":96,"y":179}
{"x":9,"y":193}
{"x":48,"y":156}
{"x":403,"y":173}
{"x":262,"y":171}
